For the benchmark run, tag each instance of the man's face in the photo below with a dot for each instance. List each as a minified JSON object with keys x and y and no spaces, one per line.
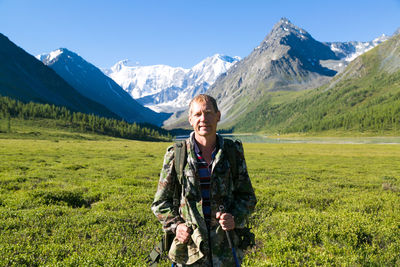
{"x":204,"y":119}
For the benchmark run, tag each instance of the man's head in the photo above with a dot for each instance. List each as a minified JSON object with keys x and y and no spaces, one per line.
{"x":204,"y":115}
{"x":203,"y":98}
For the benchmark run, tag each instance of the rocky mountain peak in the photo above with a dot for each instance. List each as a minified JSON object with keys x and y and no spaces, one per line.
{"x":287,"y":40}
{"x":288,"y":44}
{"x":284,"y":27}
{"x":281,"y":30}
{"x":56,"y":55}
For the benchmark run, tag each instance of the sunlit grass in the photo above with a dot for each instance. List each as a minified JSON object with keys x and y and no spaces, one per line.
{"x":326,"y":204}
{"x":87,"y":202}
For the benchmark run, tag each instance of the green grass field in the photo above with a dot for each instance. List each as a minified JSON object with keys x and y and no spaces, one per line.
{"x":72,"y":201}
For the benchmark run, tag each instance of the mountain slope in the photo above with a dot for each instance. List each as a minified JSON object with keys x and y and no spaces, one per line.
{"x":364,"y":97}
{"x":25,"y":78}
{"x":287,"y":59}
{"x":92,"y":83}
{"x":165,"y":88}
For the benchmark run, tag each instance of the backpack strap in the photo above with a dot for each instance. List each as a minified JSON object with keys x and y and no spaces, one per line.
{"x":166,"y":241}
{"x":160,"y":250}
{"x":155,"y":255}
{"x":230,"y":150}
{"x":180,"y":158}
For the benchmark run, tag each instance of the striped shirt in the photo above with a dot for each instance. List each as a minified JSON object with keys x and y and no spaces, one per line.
{"x":205,"y":181}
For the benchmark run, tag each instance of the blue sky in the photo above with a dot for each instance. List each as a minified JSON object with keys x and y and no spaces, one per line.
{"x":183,"y":32}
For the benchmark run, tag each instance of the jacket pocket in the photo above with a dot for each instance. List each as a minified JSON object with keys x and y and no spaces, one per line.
{"x":187,"y":253}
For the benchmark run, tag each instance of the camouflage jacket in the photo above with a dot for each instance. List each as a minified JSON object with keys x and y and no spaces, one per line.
{"x":236,"y":194}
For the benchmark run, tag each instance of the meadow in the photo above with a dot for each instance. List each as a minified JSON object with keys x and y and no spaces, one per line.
{"x":74,"y":201}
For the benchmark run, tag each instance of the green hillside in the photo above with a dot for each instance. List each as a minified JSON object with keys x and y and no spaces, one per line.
{"x":364,"y":98}
{"x":43,"y":121}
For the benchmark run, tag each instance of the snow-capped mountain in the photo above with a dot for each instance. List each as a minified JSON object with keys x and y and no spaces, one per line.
{"x":92,"y":83}
{"x":165,"y":88}
{"x":348,"y":51}
{"x":169,"y":89}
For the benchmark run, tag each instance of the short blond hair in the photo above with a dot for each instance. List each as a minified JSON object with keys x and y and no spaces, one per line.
{"x":203,"y":98}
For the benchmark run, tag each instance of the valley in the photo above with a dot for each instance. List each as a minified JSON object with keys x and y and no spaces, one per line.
{"x":81,"y":150}
{"x":86,"y":201}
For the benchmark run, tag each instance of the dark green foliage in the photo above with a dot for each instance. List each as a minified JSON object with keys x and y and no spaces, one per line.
{"x":72,"y":198}
{"x":10,"y":108}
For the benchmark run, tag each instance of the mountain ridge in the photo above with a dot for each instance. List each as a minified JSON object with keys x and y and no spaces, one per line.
{"x":25,"y":78}
{"x":165,"y":88}
{"x":287,"y":59}
{"x":94,"y":84}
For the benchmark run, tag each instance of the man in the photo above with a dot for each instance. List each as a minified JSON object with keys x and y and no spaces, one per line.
{"x":214,"y":192}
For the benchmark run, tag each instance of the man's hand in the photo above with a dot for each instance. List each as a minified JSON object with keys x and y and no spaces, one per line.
{"x":226,"y":220}
{"x":183,"y":233}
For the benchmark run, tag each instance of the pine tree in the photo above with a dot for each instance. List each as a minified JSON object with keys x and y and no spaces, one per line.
{"x":8,"y":123}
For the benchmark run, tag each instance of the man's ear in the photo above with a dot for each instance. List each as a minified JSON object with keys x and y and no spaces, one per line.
{"x":189,"y":119}
{"x":218,"y":115}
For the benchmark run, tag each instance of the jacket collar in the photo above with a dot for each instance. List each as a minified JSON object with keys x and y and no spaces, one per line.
{"x":191,"y":151}
{"x":219,"y":145}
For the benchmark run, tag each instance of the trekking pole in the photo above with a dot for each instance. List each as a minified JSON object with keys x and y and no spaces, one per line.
{"x":222,"y":210}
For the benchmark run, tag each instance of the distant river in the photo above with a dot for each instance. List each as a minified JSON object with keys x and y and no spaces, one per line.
{"x":253,"y":138}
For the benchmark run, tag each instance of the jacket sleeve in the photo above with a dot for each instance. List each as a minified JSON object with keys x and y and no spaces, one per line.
{"x":164,"y":207}
{"x":243,"y":192}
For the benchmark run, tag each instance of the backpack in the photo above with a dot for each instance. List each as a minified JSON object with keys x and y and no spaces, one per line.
{"x":180,"y":157}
